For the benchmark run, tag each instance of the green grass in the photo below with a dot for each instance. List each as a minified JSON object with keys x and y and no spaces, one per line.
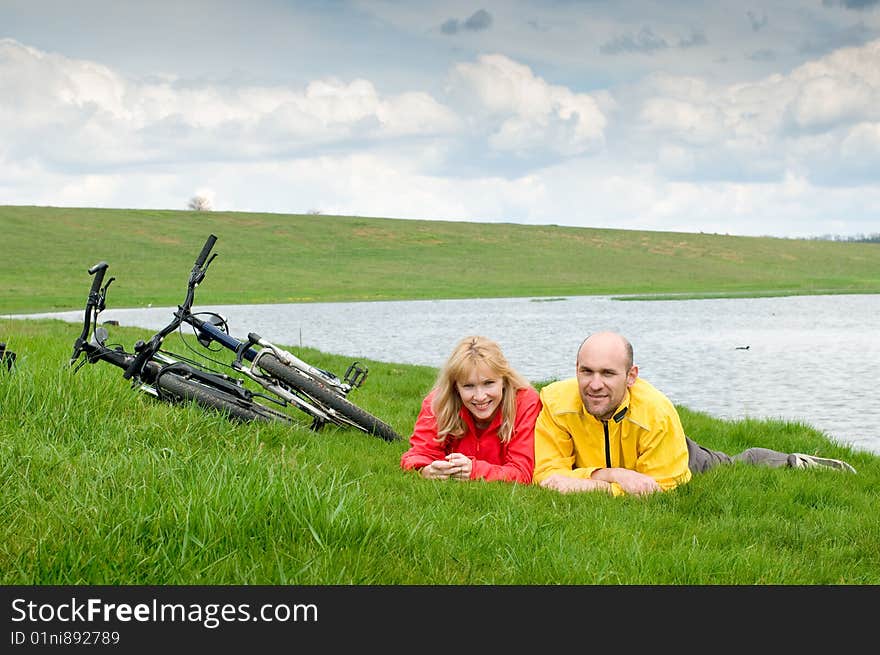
{"x":271,"y":258}
{"x":100,"y":485}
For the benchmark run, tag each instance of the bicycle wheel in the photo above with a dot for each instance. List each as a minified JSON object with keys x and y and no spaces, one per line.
{"x":341,"y":410}
{"x":181,"y":388}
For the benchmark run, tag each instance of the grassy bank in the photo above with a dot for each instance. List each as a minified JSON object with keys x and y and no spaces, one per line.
{"x":103,"y":486}
{"x":271,"y":258}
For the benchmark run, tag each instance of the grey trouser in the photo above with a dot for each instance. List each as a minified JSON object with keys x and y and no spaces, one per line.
{"x":702,"y":459}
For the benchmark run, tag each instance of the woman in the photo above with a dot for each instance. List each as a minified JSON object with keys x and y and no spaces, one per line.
{"x":478,"y":422}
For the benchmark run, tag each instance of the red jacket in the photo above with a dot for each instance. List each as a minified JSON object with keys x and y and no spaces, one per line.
{"x":492,"y":460}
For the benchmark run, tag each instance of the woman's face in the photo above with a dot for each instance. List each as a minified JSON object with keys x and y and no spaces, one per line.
{"x":481,"y":393}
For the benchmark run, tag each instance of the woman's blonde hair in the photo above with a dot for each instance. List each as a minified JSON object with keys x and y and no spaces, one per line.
{"x":470,"y":352}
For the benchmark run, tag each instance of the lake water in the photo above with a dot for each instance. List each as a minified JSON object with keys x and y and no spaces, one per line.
{"x":813,"y":359}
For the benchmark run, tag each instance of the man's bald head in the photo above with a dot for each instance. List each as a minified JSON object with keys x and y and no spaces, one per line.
{"x":609,"y":342}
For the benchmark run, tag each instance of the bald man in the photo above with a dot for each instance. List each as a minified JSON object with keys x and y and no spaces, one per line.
{"x":609,"y":430}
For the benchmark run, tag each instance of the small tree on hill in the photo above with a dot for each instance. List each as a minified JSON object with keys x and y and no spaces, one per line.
{"x":199,"y":204}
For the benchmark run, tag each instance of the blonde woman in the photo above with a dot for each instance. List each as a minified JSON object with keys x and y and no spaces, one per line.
{"x":478,"y":421}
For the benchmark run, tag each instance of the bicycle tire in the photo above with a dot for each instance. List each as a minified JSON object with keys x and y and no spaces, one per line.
{"x":184,"y":389}
{"x":343,"y":412}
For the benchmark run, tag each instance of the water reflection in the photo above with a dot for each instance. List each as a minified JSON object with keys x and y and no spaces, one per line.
{"x":803,"y":358}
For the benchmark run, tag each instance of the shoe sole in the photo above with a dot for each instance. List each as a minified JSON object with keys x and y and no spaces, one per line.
{"x":826,"y":462}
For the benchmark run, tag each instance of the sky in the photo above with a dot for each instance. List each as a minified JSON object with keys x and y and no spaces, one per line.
{"x":729,"y":117}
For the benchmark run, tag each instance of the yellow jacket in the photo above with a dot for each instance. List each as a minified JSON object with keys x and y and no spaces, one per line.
{"x":645,"y":435}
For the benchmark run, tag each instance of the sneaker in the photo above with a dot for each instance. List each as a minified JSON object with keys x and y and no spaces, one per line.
{"x":811,"y":461}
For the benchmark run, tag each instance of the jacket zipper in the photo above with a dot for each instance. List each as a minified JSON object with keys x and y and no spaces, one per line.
{"x":607,"y":445}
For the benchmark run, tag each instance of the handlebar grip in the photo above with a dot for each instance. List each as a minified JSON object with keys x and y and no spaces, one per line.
{"x":206,"y":250}
{"x":98,"y":270}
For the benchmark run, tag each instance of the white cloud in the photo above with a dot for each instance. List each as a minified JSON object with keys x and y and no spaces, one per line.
{"x":826,"y":101}
{"x":36,"y":84}
{"x":754,"y":132}
{"x":527,"y":114}
{"x":688,"y":122}
{"x":841,"y":87}
{"x":862,"y":143}
{"x":89,"y":109}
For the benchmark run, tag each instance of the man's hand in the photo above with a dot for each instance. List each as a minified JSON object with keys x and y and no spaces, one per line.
{"x":632,"y":482}
{"x":567,"y":484}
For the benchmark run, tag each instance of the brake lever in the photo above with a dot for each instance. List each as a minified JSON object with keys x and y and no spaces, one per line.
{"x":100,"y":305}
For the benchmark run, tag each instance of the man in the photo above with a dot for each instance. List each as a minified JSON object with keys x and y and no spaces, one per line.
{"x":608,"y":430}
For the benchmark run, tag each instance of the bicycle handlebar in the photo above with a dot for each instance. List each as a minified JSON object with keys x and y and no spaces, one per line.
{"x":143,"y":351}
{"x":198,"y":271}
{"x":101,"y":268}
{"x":206,"y":250}
{"x":93,"y":304}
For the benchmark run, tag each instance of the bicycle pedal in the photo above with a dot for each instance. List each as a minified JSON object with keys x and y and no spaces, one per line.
{"x":355,"y":375}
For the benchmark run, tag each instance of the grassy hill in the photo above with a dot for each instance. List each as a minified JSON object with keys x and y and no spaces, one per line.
{"x":269,"y":258}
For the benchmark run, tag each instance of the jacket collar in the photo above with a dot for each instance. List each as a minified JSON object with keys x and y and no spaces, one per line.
{"x":622,"y":409}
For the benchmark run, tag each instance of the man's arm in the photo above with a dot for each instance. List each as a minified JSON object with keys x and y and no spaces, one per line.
{"x":664,"y":454}
{"x":567,"y":484}
{"x":555,"y":455}
{"x":554,"y":448}
{"x":632,"y":482}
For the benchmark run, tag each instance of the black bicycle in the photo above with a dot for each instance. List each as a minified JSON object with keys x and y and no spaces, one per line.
{"x":319,"y":393}
{"x":159,"y":373}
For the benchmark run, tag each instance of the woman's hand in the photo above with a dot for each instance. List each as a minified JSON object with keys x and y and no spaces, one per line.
{"x":459,"y":466}
{"x":436,"y":470}
{"x":455,"y":466}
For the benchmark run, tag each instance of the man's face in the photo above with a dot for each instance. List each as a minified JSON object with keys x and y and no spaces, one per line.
{"x":604,"y":374}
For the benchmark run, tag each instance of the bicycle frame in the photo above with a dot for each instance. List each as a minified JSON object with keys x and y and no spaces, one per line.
{"x":208,"y":332}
